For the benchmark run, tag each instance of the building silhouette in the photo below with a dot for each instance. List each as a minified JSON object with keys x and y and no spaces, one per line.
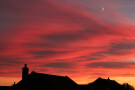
{"x":25,"y":71}
{"x":105,"y":84}
{"x":40,"y":81}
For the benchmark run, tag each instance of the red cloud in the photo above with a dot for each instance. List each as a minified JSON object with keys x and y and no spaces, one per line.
{"x":51,"y":35}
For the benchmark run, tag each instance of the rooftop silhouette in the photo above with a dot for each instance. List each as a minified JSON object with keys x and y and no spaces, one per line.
{"x":40,"y":81}
{"x":47,"y":82}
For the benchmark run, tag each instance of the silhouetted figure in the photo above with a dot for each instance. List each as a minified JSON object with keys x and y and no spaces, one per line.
{"x":25,"y":72}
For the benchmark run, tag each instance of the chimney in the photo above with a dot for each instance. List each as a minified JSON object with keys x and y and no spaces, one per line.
{"x":25,"y":71}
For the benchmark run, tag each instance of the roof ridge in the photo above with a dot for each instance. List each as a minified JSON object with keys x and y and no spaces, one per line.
{"x":33,"y":72}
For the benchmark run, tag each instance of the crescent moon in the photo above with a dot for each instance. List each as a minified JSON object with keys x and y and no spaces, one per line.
{"x":103,"y":9}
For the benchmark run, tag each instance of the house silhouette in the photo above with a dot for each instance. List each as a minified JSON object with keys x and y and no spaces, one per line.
{"x":105,"y":84}
{"x":42,"y":81}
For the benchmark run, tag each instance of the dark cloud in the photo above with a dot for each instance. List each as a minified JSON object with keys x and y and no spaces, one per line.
{"x":48,"y":52}
{"x":61,"y":39}
{"x":96,"y":56}
{"x":64,"y":39}
{"x":58,"y":65}
{"x":43,"y":54}
{"x":25,"y":11}
{"x":11,"y":59}
{"x":90,"y":57}
{"x":127,"y":44}
{"x":110,"y":64}
{"x":116,"y":52}
{"x":120,"y":48}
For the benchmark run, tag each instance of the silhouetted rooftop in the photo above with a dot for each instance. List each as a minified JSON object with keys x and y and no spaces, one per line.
{"x":46,"y":81}
{"x":104,"y":84}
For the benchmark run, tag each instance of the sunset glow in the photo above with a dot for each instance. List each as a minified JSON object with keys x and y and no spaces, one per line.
{"x":82,"y":39}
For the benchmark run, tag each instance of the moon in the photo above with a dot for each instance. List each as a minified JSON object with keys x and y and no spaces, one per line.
{"x":103,"y":9}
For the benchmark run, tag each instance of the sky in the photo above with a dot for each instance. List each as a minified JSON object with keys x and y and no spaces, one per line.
{"x":82,"y":39}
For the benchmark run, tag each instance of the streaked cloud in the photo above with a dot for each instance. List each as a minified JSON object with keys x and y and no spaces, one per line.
{"x":72,"y":36}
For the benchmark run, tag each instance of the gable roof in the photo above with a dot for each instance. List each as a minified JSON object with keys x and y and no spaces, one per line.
{"x":104,"y":84}
{"x":46,"y":81}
